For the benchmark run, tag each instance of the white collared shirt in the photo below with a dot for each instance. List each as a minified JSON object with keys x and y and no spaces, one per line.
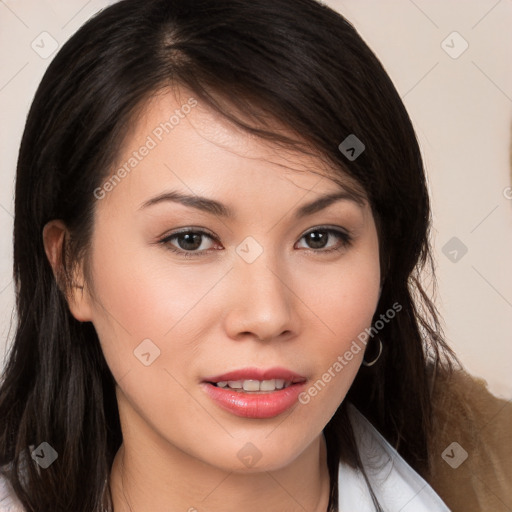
{"x":396,"y":485}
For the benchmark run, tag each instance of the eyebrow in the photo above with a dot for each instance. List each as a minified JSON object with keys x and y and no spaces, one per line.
{"x":217,"y":208}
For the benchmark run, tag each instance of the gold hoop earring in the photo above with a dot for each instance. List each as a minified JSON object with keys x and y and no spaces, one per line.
{"x":371,"y":363}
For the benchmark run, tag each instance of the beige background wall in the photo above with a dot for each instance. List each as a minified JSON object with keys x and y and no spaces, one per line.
{"x":458,"y":91}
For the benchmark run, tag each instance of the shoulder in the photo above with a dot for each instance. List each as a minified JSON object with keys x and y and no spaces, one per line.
{"x":9,"y":502}
{"x":395,"y":484}
{"x":472,"y":444}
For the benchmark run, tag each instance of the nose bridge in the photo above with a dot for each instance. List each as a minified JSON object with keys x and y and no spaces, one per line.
{"x":262,"y":303}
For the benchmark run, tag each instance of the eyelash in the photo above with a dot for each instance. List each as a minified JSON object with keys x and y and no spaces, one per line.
{"x":346,"y":241}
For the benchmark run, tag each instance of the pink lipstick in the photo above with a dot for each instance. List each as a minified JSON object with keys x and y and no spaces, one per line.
{"x":255,"y":393}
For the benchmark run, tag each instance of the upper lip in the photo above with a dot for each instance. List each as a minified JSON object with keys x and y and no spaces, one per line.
{"x":258,"y":374}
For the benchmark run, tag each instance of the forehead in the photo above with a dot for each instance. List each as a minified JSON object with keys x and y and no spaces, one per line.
{"x":176,"y":138}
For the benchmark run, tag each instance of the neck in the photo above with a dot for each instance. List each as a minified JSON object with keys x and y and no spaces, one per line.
{"x":175,"y":481}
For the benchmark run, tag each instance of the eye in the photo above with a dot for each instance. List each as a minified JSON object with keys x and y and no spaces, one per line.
{"x":188,"y":243}
{"x":318,"y":237}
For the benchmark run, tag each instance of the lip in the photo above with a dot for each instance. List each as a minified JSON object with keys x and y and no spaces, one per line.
{"x":257,"y":405}
{"x":258,"y":374}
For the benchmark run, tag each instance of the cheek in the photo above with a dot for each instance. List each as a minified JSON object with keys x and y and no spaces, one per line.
{"x":345,"y":295}
{"x":149,"y":319}
{"x":344,"y":302}
{"x":139,"y":298}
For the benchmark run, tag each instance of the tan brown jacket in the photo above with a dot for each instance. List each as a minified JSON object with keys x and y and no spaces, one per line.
{"x":466,"y":413}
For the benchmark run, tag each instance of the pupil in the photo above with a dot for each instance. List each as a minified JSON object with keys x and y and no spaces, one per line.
{"x":317,"y":239}
{"x":189,"y":239}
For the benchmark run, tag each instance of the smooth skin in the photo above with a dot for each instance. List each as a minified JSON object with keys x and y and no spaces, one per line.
{"x":295,"y":306}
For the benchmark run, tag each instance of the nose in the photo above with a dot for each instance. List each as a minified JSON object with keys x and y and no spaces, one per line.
{"x":262,"y":302}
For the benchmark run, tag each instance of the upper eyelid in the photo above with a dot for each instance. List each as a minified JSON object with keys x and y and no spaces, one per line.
{"x":193,"y":229}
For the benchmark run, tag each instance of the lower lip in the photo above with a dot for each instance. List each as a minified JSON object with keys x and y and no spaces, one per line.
{"x":254,"y":405}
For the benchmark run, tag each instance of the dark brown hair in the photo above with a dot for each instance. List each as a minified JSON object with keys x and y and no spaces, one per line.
{"x":294,"y":61}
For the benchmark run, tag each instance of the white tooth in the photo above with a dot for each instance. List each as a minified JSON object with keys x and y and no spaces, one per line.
{"x":222,"y":384}
{"x":251,"y":385}
{"x":235,"y":384}
{"x":279,"y":383}
{"x":268,"y":385}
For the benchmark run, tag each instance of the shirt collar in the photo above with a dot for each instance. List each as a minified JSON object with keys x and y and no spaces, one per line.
{"x":396,"y":485}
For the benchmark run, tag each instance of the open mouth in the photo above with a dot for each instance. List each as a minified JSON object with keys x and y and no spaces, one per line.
{"x":254,"y":386}
{"x":251,"y":398}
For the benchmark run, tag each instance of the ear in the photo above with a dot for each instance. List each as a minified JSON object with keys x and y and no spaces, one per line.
{"x":54,"y":239}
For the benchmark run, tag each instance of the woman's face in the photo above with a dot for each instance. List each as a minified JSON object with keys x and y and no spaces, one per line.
{"x":266,"y":288}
